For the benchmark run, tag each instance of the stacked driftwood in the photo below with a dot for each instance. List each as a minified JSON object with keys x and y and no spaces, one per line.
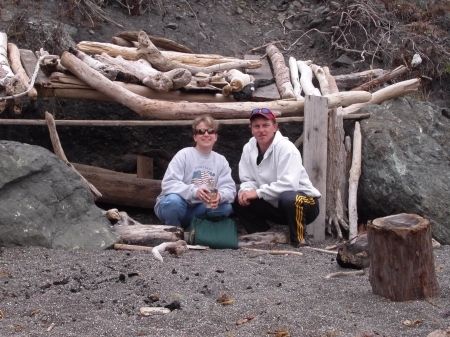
{"x":165,"y":85}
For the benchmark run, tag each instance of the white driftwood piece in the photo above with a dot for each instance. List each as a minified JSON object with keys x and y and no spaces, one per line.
{"x":393,"y":91}
{"x":148,"y":235}
{"x":264,"y":238}
{"x":321,"y":77}
{"x":306,"y":79}
{"x":280,"y":72}
{"x":295,"y":79}
{"x":174,"y":248}
{"x":237,"y":80}
{"x":181,"y":110}
{"x":345,"y":273}
{"x":355,"y":173}
{"x":19,"y":71}
{"x":11,"y":84}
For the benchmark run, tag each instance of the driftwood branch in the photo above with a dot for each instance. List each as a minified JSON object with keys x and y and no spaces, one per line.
{"x":355,"y":173}
{"x":273,"y":252}
{"x":377,"y":81}
{"x":60,"y":153}
{"x":306,"y":78}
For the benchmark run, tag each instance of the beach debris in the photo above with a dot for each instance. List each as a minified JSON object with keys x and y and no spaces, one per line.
{"x":225,"y":300}
{"x":279,"y":333}
{"x":246,"y":319}
{"x":346,"y":273}
{"x":407,"y":322}
{"x":148,"y":311}
{"x":273,"y":252}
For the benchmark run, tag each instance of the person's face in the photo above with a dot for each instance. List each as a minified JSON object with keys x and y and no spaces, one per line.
{"x":206,"y":140}
{"x":263,"y":130}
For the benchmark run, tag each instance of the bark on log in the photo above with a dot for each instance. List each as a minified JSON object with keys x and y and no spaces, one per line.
{"x":389,"y":76}
{"x":393,"y":91}
{"x":60,"y":153}
{"x":149,"y":235}
{"x":197,"y":60}
{"x":306,"y":79}
{"x":349,"y":81}
{"x":132,"y":36}
{"x":355,"y":173}
{"x":401,"y":258}
{"x":281,"y":72}
{"x":174,"y":110}
{"x":19,"y":71}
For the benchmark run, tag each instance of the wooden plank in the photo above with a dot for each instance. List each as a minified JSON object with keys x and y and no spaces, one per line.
{"x":126,"y":191}
{"x":144,"y":167}
{"x":29,"y":61}
{"x":268,"y":92}
{"x":315,"y":156}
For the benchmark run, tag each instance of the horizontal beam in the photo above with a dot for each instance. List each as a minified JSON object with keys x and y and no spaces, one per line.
{"x":41,"y":122}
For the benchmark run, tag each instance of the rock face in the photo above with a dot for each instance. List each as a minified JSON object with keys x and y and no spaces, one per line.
{"x":406,"y":163}
{"x":44,"y":203}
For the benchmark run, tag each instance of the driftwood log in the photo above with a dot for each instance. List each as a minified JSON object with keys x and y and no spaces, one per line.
{"x":306,"y":79}
{"x":350,"y":81}
{"x":401,"y":258}
{"x":196,"y":60}
{"x":175,"y":110}
{"x":280,"y":72}
{"x":264,"y":238}
{"x":19,"y":71}
{"x":149,"y":235}
{"x":377,"y":81}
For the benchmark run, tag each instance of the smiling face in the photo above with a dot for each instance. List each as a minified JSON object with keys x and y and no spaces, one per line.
{"x":263,"y":130}
{"x":206,"y":141}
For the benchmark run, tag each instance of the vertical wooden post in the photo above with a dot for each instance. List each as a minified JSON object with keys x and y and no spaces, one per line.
{"x":144,"y":167}
{"x":315,"y":156}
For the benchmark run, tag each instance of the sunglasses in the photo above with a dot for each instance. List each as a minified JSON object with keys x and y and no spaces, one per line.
{"x":203,"y":131}
{"x":263,"y":111}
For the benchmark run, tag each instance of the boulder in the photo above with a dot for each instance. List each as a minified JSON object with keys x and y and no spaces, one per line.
{"x":406,"y":163}
{"x":44,"y":203}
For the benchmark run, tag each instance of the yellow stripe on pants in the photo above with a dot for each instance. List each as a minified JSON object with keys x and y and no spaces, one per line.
{"x":299,"y":201}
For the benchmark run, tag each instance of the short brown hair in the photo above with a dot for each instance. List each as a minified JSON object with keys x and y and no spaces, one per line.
{"x":208,"y":120}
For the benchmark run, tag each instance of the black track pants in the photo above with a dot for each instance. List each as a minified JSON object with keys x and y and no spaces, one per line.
{"x":294,"y":209}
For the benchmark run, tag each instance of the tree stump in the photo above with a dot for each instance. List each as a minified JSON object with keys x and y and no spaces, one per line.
{"x":401,"y":258}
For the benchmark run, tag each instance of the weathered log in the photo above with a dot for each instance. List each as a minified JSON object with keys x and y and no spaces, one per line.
{"x":401,"y":258}
{"x":350,"y":81}
{"x":237,"y":80}
{"x":355,"y":173}
{"x":281,"y":72}
{"x":306,"y":79}
{"x":123,"y":42}
{"x":197,"y":60}
{"x":105,"y":69}
{"x":132,"y":36}
{"x":19,"y":71}
{"x":149,"y":235}
{"x":264,"y":238}
{"x":57,"y":148}
{"x":354,"y":254}
{"x":174,"y":110}
{"x":10,"y":84}
{"x":295,"y":79}
{"x":148,"y":51}
{"x":322,"y":78}
{"x":393,"y":91}
{"x":389,"y":76}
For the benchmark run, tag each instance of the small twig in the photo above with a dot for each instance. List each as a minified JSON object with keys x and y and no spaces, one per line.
{"x":50,"y":327}
{"x":346,"y":273}
{"x":273,"y":252}
{"x":323,"y":251}
{"x":343,"y":243}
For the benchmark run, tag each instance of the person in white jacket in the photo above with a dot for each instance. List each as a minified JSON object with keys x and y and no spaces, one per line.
{"x":274,"y":184}
{"x":192,"y":174}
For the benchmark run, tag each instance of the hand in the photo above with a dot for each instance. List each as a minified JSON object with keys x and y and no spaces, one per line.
{"x":245,"y":197}
{"x":203,"y":194}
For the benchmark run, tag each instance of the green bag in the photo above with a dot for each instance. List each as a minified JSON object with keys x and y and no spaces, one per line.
{"x":213,"y":230}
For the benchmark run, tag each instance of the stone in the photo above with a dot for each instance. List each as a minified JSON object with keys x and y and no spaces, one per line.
{"x":43,"y":202}
{"x":343,"y":61}
{"x":406,"y":163}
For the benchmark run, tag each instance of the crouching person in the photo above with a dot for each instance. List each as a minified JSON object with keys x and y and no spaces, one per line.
{"x":197,"y":181}
{"x":274,"y":183}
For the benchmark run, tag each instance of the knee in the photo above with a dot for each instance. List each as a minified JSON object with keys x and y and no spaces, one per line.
{"x":173,"y":203}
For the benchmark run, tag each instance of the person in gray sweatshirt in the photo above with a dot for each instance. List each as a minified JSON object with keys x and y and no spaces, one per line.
{"x":192,"y":177}
{"x":274,"y":183}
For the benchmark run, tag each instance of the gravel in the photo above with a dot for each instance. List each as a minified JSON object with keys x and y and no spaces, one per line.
{"x":99,"y":293}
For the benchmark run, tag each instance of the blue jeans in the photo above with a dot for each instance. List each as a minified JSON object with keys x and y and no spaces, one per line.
{"x":173,"y":210}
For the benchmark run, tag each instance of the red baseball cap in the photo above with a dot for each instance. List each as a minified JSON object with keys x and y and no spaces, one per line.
{"x":263,"y":112}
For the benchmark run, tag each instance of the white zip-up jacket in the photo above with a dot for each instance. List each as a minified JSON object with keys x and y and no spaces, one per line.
{"x":280,"y":170}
